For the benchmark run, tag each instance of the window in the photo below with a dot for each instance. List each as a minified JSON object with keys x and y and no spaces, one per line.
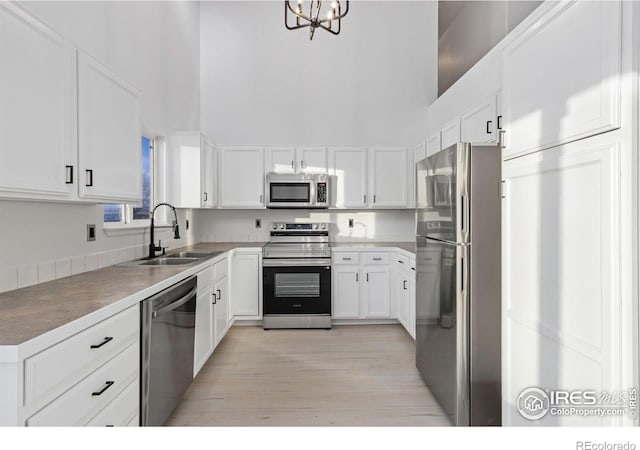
{"x":126,"y":213}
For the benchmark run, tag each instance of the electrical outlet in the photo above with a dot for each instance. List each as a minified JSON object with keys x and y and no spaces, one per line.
{"x":258,"y":223}
{"x":350,"y":223}
{"x":91,"y":232}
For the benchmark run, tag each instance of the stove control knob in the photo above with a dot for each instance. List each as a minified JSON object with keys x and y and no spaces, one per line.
{"x":274,"y":226}
{"x":324,"y":226}
{"x":315,"y":226}
{"x":281,"y":227}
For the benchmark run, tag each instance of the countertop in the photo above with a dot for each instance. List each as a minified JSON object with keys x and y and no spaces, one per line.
{"x":32,"y":311}
{"x":406,"y":246}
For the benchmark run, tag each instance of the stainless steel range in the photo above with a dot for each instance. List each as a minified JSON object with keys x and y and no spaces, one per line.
{"x":296,"y":269}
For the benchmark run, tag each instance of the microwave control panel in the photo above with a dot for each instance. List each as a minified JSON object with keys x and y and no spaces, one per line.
{"x":322,"y":192}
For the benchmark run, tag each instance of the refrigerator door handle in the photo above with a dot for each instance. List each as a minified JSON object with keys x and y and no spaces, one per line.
{"x":462,"y":187}
{"x":462,"y":336}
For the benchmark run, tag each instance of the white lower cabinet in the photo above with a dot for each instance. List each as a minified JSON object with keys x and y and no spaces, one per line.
{"x":246,"y":284}
{"x":361,"y":285}
{"x":122,"y":410}
{"x":221,"y":308}
{"x":204,"y":338}
{"x":83,"y":401}
{"x":404,"y":287}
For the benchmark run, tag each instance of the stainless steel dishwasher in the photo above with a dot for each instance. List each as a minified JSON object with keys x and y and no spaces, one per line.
{"x":167,"y":335}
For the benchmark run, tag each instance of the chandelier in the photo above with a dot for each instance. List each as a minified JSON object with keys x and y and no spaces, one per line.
{"x":314,"y":19}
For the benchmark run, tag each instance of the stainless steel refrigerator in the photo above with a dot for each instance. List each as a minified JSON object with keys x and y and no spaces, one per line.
{"x":458,"y":281}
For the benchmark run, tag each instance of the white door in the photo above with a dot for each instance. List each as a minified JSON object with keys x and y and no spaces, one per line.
{"x":38,"y":145}
{"x":183,"y":170}
{"x":109,"y":147}
{"x":562,"y":77}
{"x":204,"y":332}
{"x":479,"y":125}
{"x":376,"y":292}
{"x":242,"y":177}
{"x":221,"y":292}
{"x":312,"y":159}
{"x":247,"y":279}
{"x":209,"y":173}
{"x":450,"y":133}
{"x":349,"y":182}
{"x":561,"y":277}
{"x":432,"y":145}
{"x":389,"y":178}
{"x":280,"y":159}
{"x":346,"y":292}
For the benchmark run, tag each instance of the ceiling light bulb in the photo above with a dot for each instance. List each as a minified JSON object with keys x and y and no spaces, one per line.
{"x":330,"y":15}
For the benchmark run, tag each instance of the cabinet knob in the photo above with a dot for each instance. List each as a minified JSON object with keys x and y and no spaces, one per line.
{"x":69,"y":179}
{"x":489,"y":125}
{"x":89,"y":182}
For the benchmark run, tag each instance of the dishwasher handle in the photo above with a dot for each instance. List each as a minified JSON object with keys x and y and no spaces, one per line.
{"x":176,"y":304}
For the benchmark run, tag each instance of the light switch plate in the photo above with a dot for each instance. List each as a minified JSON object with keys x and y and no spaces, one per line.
{"x":91,"y":232}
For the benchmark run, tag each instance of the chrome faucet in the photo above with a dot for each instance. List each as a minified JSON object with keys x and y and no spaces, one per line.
{"x":153,"y":248}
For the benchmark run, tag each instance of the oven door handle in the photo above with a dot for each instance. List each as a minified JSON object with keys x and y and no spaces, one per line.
{"x":297,"y":262}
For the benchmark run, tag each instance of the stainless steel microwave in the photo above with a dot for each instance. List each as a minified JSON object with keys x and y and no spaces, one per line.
{"x":297,"y":190}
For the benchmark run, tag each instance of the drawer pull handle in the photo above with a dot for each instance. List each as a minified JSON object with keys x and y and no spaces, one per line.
{"x":404,"y":285}
{"x":107,"y":339}
{"x":401,"y":262}
{"x":377,"y":259}
{"x":413,"y":268}
{"x":219,"y":297}
{"x":346,"y":259}
{"x":107,"y":385}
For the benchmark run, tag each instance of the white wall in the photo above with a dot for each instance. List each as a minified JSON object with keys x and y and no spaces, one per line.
{"x":263,"y":84}
{"x":238,"y":225}
{"x":154,"y":46}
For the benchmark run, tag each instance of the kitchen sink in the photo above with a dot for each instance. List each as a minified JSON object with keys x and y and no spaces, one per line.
{"x":169,"y":261}
{"x":193,"y":254}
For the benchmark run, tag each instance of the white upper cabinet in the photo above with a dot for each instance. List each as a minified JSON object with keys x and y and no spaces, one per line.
{"x":109,"y":155}
{"x":562,"y":77}
{"x":312,"y":159}
{"x":432,"y":145}
{"x":280,"y":159}
{"x":208,"y":173}
{"x":420,"y":152}
{"x":38,"y":147}
{"x":296,"y":159}
{"x":241,"y":177}
{"x":389,"y":186}
{"x":450,"y":133}
{"x":191,"y":170}
{"x":348,"y":166}
{"x":479,"y":125}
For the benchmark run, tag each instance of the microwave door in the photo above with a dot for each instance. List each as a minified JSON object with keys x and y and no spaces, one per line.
{"x":290,"y":192}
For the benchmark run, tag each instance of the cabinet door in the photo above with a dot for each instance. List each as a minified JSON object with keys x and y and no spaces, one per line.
{"x":109,"y":153}
{"x":479,"y":124}
{"x":38,"y":149}
{"x":389,"y":178}
{"x":221,"y":292}
{"x":433,"y":145}
{"x":561,"y":247}
{"x":204,"y":338}
{"x":349,"y":182}
{"x":247,"y":275}
{"x":562,"y":77}
{"x":280,"y":159}
{"x":376,"y":292}
{"x":184,"y":182}
{"x":208,"y":173}
{"x":411,"y":301}
{"x":312,"y":159}
{"x":450,"y":133}
{"x":346,"y":292}
{"x":420,"y":152}
{"x":242,"y":177}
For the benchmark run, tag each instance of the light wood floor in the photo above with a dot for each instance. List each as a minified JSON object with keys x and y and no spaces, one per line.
{"x":360,"y":375}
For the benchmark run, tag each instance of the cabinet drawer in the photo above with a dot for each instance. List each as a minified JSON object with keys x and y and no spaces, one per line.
{"x":121,"y":410}
{"x":375,"y":258}
{"x":205,"y":279}
{"x":57,"y":368}
{"x":430,"y":258}
{"x":402,"y":262}
{"x":345,"y":258}
{"x":76,"y":406}
{"x":221,"y":269}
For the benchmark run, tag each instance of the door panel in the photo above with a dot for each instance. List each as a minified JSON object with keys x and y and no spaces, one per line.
{"x":349,"y":169}
{"x":346,"y":292}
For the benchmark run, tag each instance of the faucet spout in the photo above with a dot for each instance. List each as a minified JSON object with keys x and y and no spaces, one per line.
{"x":153,"y":248}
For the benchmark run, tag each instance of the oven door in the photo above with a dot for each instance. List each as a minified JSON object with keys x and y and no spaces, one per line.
{"x":297,"y":286}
